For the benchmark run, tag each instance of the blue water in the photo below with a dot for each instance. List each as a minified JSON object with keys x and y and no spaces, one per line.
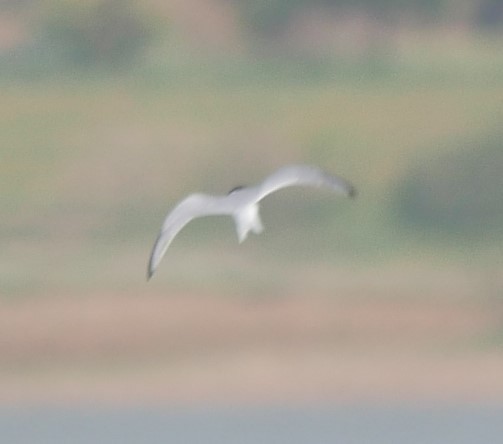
{"x":348,"y":425}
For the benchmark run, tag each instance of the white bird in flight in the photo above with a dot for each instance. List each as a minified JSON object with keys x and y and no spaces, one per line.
{"x":242,"y":204}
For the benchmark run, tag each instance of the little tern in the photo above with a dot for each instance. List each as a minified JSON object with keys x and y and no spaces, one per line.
{"x":242,"y":204}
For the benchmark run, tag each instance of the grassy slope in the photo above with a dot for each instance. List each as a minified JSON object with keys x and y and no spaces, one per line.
{"x":89,"y":167}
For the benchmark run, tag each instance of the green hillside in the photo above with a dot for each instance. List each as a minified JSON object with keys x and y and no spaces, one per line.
{"x":91,"y":164}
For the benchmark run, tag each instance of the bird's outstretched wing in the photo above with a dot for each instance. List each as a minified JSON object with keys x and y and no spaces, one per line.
{"x":193,"y":206}
{"x":304,"y":175}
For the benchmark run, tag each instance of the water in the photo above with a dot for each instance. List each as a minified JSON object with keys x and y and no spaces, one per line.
{"x":348,"y":425}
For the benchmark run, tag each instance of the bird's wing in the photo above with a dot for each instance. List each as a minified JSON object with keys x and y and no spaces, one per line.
{"x":193,"y":206}
{"x":298,"y":175}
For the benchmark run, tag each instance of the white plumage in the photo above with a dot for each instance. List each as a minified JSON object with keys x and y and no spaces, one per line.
{"x":242,"y":204}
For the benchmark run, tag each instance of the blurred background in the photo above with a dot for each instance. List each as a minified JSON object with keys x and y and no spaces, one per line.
{"x":111,"y":111}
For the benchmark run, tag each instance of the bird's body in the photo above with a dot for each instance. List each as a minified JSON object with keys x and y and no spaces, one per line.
{"x":242,"y":204}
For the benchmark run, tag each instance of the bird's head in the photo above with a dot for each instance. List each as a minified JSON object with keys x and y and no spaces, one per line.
{"x":239,"y":187}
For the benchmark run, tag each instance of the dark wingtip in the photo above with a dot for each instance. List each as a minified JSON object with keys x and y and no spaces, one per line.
{"x":150,"y":272}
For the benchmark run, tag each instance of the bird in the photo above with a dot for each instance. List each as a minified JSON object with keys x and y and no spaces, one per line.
{"x":242,"y":203}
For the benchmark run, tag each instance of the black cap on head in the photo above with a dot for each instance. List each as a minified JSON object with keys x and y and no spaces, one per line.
{"x":239,"y":187}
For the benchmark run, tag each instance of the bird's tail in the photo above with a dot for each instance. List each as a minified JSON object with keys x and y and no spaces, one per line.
{"x":248,"y":219}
